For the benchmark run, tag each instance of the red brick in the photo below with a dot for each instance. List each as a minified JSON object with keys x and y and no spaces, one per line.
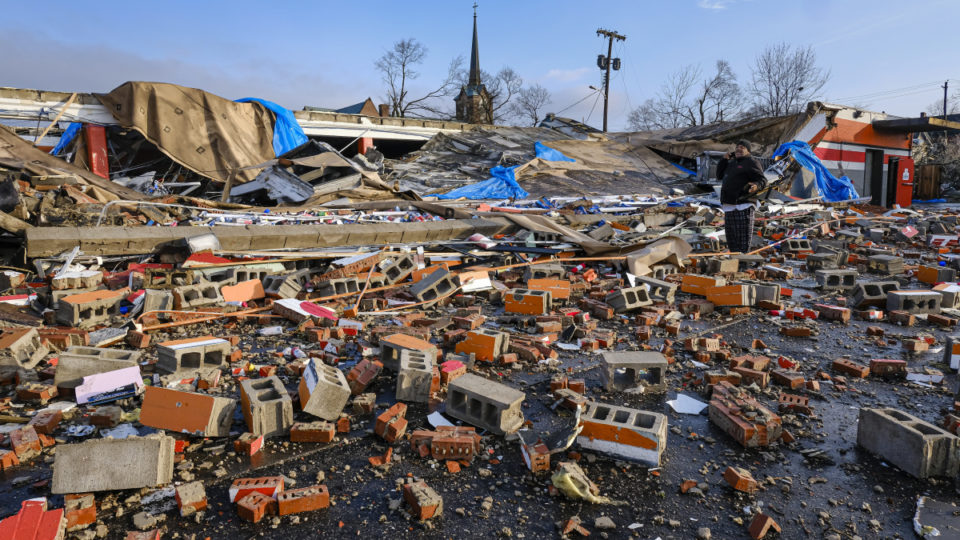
{"x":269,"y":486}
{"x":36,"y":392}
{"x":8,"y":458}
{"x":138,"y":340}
{"x":423,"y":500}
{"x":248,"y":444}
{"x":391,"y":424}
{"x":850,"y":367}
{"x":80,"y":511}
{"x":46,"y":421}
{"x":25,"y":443}
{"x":255,"y":506}
{"x":740,"y":479}
{"x":191,"y":498}
{"x":315,"y":432}
{"x":761,"y":525}
{"x":303,"y":500}
{"x":889,"y":369}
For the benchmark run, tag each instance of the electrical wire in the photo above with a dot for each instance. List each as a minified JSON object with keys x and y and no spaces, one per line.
{"x":578,"y":102}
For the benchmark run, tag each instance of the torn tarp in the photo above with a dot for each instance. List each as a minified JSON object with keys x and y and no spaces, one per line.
{"x":287,"y":133}
{"x":210,"y":135}
{"x":831,"y":188}
{"x":545,"y":152}
{"x":501,"y":185}
{"x":67,"y":137}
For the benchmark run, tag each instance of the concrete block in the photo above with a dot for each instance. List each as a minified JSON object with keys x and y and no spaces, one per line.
{"x":485,"y":404}
{"x":623,"y":432}
{"x":873,"y":293}
{"x":836,"y":279}
{"x":392,"y":345}
{"x":415,"y":378}
{"x":267,"y":408}
{"x":434,"y":286}
{"x":86,"y":310}
{"x":887,"y":265}
{"x":487,"y":345}
{"x":628,"y":369}
{"x":157,"y":300}
{"x":288,"y":285}
{"x":527,"y":302}
{"x":921,"y":449}
{"x":659,"y":290}
{"x":914,"y":302}
{"x":187,"y":412}
{"x":544,"y":271}
{"x":796,"y":245}
{"x":21,"y":347}
{"x":190,"y":297}
{"x":629,"y":299}
{"x":162,"y":278}
{"x":323,"y":390}
{"x":78,"y":279}
{"x":184,"y":355}
{"x":78,"y":362}
{"x":397,"y":268}
{"x":112,"y":464}
{"x":338,"y":286}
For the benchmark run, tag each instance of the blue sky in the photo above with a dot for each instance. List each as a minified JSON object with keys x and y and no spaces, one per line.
{"x":322,"y":53}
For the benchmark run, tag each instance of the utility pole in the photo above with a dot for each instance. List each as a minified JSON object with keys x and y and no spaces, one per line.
{"x":945,"y":84}
{"x":606,"y":64}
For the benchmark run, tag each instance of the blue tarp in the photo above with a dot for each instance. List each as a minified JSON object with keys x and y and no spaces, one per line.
{"x":549,"y":154}
{"x":502,"y":185}
{"x":287,"y":133}
{"x":831,"y":188}
{"x":68,"y":135}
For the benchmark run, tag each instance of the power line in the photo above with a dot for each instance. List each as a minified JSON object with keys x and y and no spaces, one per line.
{"x":880,"y":93}
{"x":578,"y":101}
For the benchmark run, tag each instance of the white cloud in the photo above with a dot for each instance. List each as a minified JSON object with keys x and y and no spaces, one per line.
{"x":715,"y":4}
{"x":567,"y":75}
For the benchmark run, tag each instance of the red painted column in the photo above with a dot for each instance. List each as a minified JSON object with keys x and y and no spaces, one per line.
{"x":364,"y":144}
{"x":97,"y":150}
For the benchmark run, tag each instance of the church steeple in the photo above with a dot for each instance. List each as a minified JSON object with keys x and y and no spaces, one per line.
{"x":474,"y":105}
{"x":474,"y":79}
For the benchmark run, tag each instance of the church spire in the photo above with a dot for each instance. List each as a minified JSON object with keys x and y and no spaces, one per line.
{"x":474,"y":80}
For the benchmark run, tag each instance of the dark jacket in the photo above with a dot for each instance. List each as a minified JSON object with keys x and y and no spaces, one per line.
{"x":736,"y":173}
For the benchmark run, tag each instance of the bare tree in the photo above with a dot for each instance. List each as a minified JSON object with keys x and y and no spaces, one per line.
{"x":784,"y":79}
{"x":530,"y":102}
{"x":683,"y":101}
{"x":397,"y":67}
{"x":953,"y":105}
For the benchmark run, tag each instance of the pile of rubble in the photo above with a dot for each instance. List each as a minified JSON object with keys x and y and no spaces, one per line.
{"x":195,"y":382}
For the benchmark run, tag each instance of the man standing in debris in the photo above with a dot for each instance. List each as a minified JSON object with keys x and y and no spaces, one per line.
{"x":742,"y":179}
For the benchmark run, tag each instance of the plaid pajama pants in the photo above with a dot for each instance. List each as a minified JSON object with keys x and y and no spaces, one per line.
{"x":738,"y":225}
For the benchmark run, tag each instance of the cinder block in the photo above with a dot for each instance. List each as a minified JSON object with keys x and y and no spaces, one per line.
{"x":527,"y":302}
{"x":187,"y":412}
{"x":162,"y":278}
{"x":193,"y":296}
{"x":885,"y":264}
{"x":485,"y":404}
{"x":659,"y":290}
{"x":434,"y":286}
{"x":625,"y":433}
{"x":796,"y":245}
{"x":113,"y":464}
{"x":873,"y":293}
{"x":192,"y":354}
{"x":397,"y":268}
{"x":157,"y":300}
{"x":415,"y":378}
{"x":323,"y":390}
{"x":336,"y":287}
{"x":629,"y":299}
{"x":732,"y":295}
{"x":543,"y":271}
{"x":935,"y":274}
{"x":628,"y":369}
{"x":391,"y":346}
{"x":267,"y":407}
{"x":697,"y":284}
{"x":487,"y":345}
{"x":80,"y":279}
{"x":286,"y":285}
{"x":836,"y":279}
{"x":86,"y":310}
{"x":559,"y":289}
{"x":921,"y":449}
{"x":78,"y":362}
{"x":914,"y":302}
{"x":21,"y":348}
